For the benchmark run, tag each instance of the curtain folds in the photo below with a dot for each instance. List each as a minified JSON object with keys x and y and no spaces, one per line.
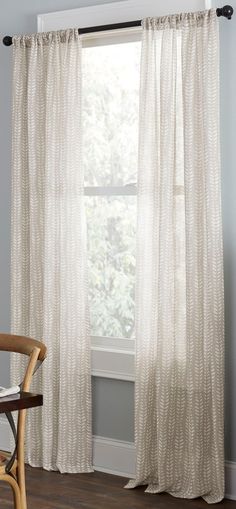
{"x":179,"y":298}
{"x":49,"y":280}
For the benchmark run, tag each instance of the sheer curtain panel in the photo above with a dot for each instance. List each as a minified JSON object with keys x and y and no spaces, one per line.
{"x":49,"y":280}
{"x":180,"y":323}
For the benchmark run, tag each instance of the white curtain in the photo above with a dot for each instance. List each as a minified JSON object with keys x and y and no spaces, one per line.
{"x":180,"y":323}
{"x":49,"y":281}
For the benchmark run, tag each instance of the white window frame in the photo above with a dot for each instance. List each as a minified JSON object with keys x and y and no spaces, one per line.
{"x":112,"y":358}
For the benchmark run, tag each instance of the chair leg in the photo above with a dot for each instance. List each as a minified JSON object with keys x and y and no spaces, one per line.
{"x":17,"y":499}
{"x":15,"y":488}
{"x":21,"y":456}
{"x":21,"y":483}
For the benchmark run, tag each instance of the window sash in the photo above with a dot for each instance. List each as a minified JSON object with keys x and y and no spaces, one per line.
{"x":126,"y":190}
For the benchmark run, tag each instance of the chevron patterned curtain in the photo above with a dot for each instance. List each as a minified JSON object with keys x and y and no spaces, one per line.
{"x":179,"y":321}
{"x":49,"y":280}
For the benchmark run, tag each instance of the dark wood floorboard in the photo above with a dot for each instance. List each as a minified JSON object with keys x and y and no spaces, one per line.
{"x":51,"y":490}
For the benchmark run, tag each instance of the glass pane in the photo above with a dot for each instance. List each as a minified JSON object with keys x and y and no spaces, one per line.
{"x":111,"y":251}
{"x":110,"y":113}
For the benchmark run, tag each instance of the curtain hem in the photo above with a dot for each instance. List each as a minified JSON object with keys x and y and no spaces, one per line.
{"x":62,"y":469}
{"x":155,"y":489}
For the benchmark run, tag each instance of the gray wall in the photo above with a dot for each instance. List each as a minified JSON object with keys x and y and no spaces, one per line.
{"x":113,"y":409}
{"x":113,"y":400}
{"x":228,"y":157}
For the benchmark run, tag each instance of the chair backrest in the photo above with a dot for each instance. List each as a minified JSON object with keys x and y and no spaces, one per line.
{"x":22,"y":344}
{"x":27,"y":346}
{"x":36,"y":351}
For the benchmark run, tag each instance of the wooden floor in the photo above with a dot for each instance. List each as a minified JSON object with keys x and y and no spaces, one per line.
{"x":51,"y":490}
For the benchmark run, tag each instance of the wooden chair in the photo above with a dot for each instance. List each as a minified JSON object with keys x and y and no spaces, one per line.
{"x":16,"y":476}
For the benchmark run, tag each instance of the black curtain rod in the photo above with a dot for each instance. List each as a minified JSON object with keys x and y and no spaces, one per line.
{"x":226,"y":12}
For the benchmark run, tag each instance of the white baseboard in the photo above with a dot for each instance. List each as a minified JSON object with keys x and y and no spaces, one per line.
{"x":113,"y":456}
{"x":230,"y":480}
{"x":109,"y":455}
{"x":118,"y":458}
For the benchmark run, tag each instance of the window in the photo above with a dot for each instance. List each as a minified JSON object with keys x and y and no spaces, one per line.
{"x":111,"y":75}
{"x":112,"y":358}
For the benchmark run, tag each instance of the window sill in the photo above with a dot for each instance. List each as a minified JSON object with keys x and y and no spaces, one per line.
{"x":113,"y":360}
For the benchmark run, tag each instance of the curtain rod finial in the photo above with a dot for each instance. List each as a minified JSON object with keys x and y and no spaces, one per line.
{"x":7,"y":40}
{"x":226,"y":11}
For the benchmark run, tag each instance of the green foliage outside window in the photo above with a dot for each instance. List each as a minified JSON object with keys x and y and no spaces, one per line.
{"x":110,"y":125}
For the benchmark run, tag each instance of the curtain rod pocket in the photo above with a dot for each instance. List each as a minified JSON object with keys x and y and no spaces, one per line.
{"x":226,"y":12}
